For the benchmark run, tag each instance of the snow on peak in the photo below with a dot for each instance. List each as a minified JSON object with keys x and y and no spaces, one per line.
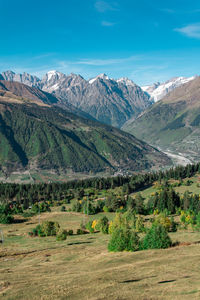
{"x":52,"y":73}
{"x":158,"y":90}
{"x":126,"y":81}
{"x":101,"y":76}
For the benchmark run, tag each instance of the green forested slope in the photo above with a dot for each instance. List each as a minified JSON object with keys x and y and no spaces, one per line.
{"x":43,"y":137}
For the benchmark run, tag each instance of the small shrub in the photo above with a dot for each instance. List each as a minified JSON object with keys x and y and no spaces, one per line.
{"x":123,"y":240}
{"x":89,"y":227}
{"x":6,"y":219}
{"x":80,"y":231}
{"x":37,"y":231}
{"x":28,"y":214}
{"x":63,"y":208}
{"x":164,"y":221}
{"x":62,"y":235}
{"x":102,"y":225}
{"x":70,"y":232}
{"x":50,"y":228}
{"x":156,"y":238}
{"x":106,"y":209}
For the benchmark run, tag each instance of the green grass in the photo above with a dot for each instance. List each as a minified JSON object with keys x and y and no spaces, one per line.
{"x":82,"y":268}
{"x":146,"y":193}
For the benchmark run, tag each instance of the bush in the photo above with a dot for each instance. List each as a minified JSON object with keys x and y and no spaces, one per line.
{"x":123,"y":240}
{"x":28,"y":214}
{"x":62,"y":235}
{"x":80,"y":231}
{"x":70,"y":232}
{"x":106,"y":209}
{"x":40,"y":207}
{"x":6,"y":219}
{"x":63,"y":208}
{"x":164,"y":221}
{"x":89,"y":227}
{"x":156,"y":238}
{"x":102,"y":225}
{"x":37,"y":231}
{"x":6,"y":214}
{"x":50,"y":228}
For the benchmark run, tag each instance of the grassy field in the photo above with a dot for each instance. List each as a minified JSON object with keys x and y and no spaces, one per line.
{"x":82,"y":268}
{"x":193,"y":188}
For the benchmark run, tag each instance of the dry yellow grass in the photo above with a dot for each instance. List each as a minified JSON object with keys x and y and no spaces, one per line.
{"x":82,"y":268}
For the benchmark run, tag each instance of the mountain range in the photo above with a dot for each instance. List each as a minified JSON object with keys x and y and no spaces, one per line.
{"x":110,"y":101}
{"x":158,"y":90}
{"x":36,"y":135}
{"x":162,"y":114}
{"x":173,"y":123}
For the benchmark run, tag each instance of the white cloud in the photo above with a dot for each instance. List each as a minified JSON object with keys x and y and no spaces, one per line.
{"x":107,"y":24}
{"x":191,"y":30}
{"x":104,"y":62}
{"x":103,"y":6}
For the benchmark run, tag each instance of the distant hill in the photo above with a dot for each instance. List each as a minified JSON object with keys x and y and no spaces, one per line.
{"x":110,"y":101}
{"x":34,"y":135}
{"x":172,"y":123}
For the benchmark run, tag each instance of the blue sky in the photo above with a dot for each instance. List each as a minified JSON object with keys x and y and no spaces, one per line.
{"x":144,"y":40}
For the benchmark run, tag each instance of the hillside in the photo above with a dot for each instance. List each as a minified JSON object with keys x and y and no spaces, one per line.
{"x":37,"y":136}
{"x":38,"y":96}
{"x":109,"y":101}
{"x":172,"y":123}
{"x":27,"y":255}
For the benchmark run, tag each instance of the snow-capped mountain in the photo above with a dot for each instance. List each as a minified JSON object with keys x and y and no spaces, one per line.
{"x":108,"y":100}
{"x":102,"y":76}
{"x":158,"y":90}
{"x":126,"y":81}
{"x":23,"y":78}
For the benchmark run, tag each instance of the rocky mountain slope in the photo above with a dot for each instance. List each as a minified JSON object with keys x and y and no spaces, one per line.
{"x":158,"y":90}
{"x":36,"y":135}
{"x":173,"y":123}
{"x":110,"y":101}
{"x":33,"y":93}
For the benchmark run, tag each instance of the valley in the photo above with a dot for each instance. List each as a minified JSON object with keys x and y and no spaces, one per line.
{"x":99,"y":150}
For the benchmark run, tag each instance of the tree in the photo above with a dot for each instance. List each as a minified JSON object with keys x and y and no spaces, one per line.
{"x":123,"y":240}
{"x":156,"y":238}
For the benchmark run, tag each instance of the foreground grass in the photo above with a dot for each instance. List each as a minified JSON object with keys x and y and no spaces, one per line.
{"x":82,"y":268}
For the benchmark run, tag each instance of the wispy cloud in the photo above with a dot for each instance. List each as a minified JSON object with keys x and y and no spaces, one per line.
{"x":107,"y":24}
{"x":103,"y":6}
{"x":191,"y":30}
{"x":104,"y":62}
{"x":179,"y":11}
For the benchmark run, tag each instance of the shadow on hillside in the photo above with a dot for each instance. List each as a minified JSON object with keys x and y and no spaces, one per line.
{"x":79,"y":243}
{"x":166,"y":281}
{"x":18,"y":221}
{"x":136,"y":280}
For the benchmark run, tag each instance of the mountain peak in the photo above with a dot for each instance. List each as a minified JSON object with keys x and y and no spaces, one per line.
{"x":126,"y":81}
{"x":157,"y":91}
{"x":100,"y":76}
{"x":53,"y":73}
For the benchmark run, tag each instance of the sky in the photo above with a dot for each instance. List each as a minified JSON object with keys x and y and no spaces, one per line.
{"x":144,"y":40}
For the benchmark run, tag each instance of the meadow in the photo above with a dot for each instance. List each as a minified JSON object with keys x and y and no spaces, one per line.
{"x":82,"y":268}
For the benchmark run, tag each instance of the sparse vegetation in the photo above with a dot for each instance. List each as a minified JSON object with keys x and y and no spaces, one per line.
{"x":156,"y":216}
